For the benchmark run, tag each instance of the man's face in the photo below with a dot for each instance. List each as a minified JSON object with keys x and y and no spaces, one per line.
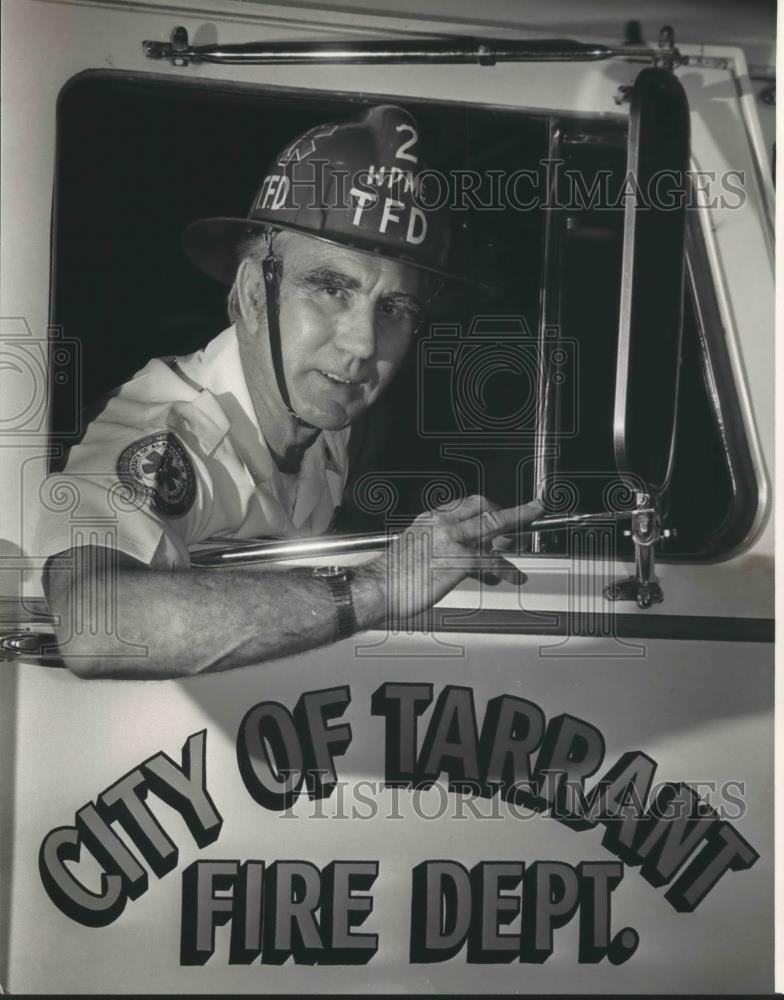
{"x":346,"y":321}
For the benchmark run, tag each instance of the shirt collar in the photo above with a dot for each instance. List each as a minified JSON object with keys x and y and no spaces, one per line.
{"x":218,"y":368}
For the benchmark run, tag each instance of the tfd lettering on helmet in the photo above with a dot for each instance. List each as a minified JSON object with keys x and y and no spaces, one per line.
{"x":273,"y":191}
{"x":414,"y":220}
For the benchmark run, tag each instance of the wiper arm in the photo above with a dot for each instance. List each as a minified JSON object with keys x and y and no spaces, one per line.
{"x":484,"y":52}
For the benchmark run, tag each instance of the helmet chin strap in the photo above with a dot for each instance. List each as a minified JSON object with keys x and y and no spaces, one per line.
{"x":271,"y":267}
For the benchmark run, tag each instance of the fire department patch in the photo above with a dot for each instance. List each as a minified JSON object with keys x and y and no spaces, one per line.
{"x":158,"y":467}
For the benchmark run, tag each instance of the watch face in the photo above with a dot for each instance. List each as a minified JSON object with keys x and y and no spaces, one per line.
{"x":333,"y":573}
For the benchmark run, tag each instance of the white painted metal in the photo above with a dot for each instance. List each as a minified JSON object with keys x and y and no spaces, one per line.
{"x":703,"y":710}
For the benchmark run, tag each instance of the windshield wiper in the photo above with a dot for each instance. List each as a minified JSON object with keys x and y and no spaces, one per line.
{"x":484,"y":52}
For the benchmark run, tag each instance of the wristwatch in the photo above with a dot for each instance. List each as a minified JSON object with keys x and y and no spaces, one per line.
{"x":338,"y":579}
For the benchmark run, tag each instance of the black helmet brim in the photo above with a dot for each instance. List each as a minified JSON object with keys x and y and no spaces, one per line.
{"x":215,"y":247}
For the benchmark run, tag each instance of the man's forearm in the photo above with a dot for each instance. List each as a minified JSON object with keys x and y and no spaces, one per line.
{"x":198,"y":620}
{"x":195,"y":621}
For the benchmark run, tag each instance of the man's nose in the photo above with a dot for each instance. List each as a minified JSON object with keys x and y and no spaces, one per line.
{"x":356,"y":331}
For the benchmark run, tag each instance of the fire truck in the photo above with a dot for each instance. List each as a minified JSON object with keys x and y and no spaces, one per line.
{"x":617,"y":187}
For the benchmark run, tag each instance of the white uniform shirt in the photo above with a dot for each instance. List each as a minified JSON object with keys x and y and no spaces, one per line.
{"x":177,"y":458}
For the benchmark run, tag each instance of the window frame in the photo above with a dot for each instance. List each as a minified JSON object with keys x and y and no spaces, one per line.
{"x":723,"y":391}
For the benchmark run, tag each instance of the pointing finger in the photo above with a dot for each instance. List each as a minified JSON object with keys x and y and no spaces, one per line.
{"x":501,"y":522}
{"x":473,"y":505}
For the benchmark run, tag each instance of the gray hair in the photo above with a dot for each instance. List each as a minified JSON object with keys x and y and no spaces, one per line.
{"x":253,"y":249}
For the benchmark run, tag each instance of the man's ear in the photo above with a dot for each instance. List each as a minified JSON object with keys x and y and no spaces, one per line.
{"x":250,"y":294}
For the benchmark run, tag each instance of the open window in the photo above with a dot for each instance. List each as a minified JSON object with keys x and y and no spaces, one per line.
{"x":599,"y":424}
{"x":540,"y":206}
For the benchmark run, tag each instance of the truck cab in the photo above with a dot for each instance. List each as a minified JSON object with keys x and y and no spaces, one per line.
{"x":618,"y":197}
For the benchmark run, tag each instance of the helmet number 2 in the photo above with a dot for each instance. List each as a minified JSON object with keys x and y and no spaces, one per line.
{"x":401,"y":153}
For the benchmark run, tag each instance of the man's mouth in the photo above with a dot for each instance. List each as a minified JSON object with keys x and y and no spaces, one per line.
{"x":339,"y":379}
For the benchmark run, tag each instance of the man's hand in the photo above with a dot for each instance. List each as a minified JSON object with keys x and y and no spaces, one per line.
{"x":443,"y":546}
{"x":193,"y":621}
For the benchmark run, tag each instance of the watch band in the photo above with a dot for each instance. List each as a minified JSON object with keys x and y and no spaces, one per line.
{"x":338,"y":579}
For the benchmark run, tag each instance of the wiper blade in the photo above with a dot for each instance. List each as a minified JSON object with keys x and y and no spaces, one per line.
{"x":454,"y":50}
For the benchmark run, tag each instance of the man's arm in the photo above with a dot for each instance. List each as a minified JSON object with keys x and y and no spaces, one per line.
{"x":200,"y":620}
{"x":194,"y":620}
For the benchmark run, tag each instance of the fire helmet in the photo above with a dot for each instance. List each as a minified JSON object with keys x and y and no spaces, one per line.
{"x":359,"y":183}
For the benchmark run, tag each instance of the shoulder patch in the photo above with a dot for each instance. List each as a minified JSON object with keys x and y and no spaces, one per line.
{"x":158,"y":467}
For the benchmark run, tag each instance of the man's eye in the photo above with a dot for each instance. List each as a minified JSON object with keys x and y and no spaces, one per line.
{"x":338,"y":292}
{"x":332,"y":292}
{"x":399,"y":310}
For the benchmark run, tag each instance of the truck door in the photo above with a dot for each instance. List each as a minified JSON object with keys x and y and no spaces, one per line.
{"x":575,"y":775}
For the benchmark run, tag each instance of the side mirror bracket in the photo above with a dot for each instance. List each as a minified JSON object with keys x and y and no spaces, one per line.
{"x":646,"y":530}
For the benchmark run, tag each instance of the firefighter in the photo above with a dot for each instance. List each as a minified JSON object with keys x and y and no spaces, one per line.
{"x":247,"y":438}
